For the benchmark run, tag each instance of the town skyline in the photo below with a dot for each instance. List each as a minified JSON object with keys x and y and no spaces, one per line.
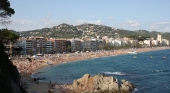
{"x":132,"y":15}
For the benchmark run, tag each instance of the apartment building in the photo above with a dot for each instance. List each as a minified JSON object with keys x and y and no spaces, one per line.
{"x":68,"y":45}
{"x":29,"y":46}
{"x":60,"y":46}
{"x":94,"y":45}
{"x":49,"y":46}
{"x":39,"y":45}
{"x":76,"y":45}
{"x":87,"y":45}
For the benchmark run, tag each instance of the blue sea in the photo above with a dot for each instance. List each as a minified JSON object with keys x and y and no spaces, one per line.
{"x":148,"y":71}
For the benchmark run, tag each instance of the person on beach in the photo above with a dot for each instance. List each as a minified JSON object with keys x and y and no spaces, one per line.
{"x":50,"y":82}
{"x":34,"y":79}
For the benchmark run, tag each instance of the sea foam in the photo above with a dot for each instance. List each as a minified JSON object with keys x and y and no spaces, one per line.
{"x":116,"y":73}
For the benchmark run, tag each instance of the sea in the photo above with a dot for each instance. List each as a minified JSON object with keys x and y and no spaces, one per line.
{"x":148,"y":71}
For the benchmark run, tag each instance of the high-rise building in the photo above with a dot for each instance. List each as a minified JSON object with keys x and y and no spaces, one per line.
{"x":159,"y":37}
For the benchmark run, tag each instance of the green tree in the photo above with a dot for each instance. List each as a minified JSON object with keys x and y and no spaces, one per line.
{"x":5,"y":11}
{"x":9,"y":75}
{"x":7,"y":36}
{"x":108,"y":46}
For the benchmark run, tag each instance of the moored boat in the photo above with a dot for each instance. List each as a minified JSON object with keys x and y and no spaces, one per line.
{"x":134,"y":52}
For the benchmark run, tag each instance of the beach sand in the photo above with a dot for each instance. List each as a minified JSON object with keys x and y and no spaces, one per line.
{"x":36,"y":87}
{"x":25,"y":66}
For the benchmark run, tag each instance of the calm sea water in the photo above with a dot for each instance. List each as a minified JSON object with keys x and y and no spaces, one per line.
{"x":148,"y":71}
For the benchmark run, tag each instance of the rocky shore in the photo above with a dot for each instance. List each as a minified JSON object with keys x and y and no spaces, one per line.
{"x":99,"y":84}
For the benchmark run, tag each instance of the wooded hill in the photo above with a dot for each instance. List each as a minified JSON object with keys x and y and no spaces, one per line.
{"x":93,"y":30}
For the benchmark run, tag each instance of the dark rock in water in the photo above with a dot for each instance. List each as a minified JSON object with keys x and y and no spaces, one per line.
{"x":100,"y":84}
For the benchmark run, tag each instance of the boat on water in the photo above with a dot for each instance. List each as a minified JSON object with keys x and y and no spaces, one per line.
{"x":133,"y":52}
{"x":150,"y":56}
{"x":164,"y":57}
{"x":134,"y":57}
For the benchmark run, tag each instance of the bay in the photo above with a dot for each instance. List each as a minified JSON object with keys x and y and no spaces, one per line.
{"x":148,"y":71}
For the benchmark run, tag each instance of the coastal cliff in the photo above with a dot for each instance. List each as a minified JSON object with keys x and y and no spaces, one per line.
{"x":100,"y":84}
{"x":9,"y":75}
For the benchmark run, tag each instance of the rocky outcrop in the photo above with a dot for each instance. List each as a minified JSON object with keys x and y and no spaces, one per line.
{"x":100,"y":84}
{"x":9,"y":75}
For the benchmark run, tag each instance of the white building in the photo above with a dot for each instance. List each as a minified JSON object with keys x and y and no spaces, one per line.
{"x":147,"y":42}
{"x":155,"y":42}
{"x":165,"y":42}
{"x":159,"y":37}
{"x":116,"y":42}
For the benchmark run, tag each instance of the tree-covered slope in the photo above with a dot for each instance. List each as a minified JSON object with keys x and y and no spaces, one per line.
{"x":70,"y":31}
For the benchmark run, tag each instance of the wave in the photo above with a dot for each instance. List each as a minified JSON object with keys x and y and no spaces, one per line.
{"x":115,"y":73}
{"x":160,"y":70}
{"x":135,"y":90}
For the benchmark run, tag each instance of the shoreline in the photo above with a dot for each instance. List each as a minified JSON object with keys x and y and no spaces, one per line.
{"x":55,"y":59}
{"x":141,"y":50}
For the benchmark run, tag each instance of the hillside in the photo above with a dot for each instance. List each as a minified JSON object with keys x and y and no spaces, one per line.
{"x":69,"y":31}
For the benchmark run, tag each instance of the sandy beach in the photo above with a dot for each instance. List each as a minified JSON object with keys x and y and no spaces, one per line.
{"x":26,"y":66}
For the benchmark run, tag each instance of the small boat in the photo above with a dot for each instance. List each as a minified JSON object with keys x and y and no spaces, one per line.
{"x":134,"y":52}
{"x":164,"y":57}
{"x":150,"y":56}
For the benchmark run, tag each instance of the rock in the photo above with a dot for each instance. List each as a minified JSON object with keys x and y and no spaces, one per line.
{"x":100,"y":84}
{"x":123,"y":81}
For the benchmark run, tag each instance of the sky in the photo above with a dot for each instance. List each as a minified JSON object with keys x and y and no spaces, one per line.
{"x":151,"y":15}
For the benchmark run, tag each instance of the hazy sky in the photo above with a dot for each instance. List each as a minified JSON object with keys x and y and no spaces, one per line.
{"x":126,"y":14}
